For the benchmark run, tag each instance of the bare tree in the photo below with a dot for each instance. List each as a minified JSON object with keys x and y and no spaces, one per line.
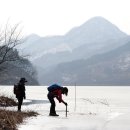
{"x":13,"y":65}
{"x":10,"y":37}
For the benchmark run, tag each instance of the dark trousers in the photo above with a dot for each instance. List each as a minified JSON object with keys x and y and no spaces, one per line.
{"x":53,"y":104}
{"x":20,"y":102}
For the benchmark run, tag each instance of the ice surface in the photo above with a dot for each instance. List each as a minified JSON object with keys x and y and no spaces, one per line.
{"x":90,"y":108}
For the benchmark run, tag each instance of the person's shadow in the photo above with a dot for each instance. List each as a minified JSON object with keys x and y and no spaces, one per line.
{"x":30,"y":101}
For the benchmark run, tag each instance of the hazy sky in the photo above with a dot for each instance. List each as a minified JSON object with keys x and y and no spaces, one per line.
{"x":57,"y":17}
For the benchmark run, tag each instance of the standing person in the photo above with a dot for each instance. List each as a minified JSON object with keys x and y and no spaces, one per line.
{"x":56,"y":91}
{"x":20,"y":92}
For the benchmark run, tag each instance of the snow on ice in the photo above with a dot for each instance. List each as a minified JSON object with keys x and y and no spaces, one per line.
{"x":91,"y":108}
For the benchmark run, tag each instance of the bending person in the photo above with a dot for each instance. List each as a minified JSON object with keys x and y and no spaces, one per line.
{"x":56,"y":91}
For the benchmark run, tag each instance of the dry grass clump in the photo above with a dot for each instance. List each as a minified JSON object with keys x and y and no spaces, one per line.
{"x":6,"y":101}
{"x":10,"y":119}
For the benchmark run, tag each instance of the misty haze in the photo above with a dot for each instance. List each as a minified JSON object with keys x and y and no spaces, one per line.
{"x":95,"y":53}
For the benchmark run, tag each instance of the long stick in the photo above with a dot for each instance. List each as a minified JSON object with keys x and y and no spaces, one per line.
{"x":66,"y":110}
{"x":75,"y":98}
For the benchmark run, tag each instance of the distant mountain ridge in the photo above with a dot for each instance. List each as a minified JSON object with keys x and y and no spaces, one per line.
{"x":94,"y":30}
{"x":94,"y":37}
{"x":111,"y":68}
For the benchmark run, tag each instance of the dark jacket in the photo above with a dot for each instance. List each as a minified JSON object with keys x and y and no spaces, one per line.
{"x":21,"y":88}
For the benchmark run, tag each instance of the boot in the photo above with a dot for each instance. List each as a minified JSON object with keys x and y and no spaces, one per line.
{"x":53,"y":114}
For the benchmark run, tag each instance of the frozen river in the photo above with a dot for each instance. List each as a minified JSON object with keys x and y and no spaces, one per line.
{"x":90,"y":108}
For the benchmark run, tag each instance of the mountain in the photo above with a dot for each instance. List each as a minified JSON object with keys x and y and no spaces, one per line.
{"x":96,"y":36}
{"x":96,"y":31}
{"x":111,"y":68}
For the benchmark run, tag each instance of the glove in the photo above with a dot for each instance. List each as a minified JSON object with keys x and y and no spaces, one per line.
{"x":66,"y":104}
